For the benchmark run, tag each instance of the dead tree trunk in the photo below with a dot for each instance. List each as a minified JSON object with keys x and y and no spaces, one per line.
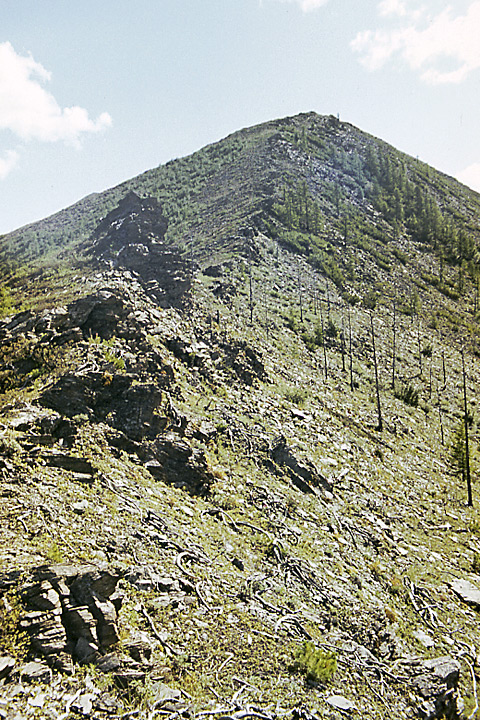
{"x":350,"y":351}
{"x":377,"y":384}
{"x":419,"y":346}
{"x":467,"y":449}
{"x":440,"y":417}
{"x":323,"y":341}
{"x":251,"y":303}
{"x":394,"y":349}
{"x":300,"y":300}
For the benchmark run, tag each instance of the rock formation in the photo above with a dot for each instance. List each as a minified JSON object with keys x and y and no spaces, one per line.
{"x":133,"y":237}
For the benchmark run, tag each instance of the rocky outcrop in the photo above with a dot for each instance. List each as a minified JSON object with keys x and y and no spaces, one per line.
{"x":234,"y":355}
{"x":303,"y":474}
{"x":120,"y":400}
{"x":437,"y":683}
{"x":71,"y":614}
{"x":132,"y":237}
{"x":177,"y":463}
{"x":129,"y":222}
{"x":99,"y":314}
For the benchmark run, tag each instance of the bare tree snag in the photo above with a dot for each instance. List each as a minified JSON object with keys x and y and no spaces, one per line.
{"x":394,"y":349}
{"x":377,"y":385}
{"x":300,"y":299}
{"x":323,"y":342}
{"x":251,"y":302}
{"x":419,"y":345}
{"x":467,"y":449}
{"x":350,"y":352}
{"x":440,"y":416}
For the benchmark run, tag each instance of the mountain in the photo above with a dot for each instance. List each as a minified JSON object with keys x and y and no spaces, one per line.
{"x":238,"y":438}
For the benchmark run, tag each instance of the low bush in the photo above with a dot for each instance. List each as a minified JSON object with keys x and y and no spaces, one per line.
{"x":316,"y":664}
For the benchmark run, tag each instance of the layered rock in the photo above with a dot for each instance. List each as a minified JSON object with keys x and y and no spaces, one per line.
{"x":71,"y":614}
{"x":132,"y":236}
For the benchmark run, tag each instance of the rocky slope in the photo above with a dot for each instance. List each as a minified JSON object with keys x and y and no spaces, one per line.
{"x":203,"y":510}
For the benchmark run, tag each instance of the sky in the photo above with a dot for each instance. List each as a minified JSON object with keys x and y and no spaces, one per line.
{"x":93,"y":93}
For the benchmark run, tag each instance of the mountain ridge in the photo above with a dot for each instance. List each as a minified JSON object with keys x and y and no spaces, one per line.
{"x":199,"y":195}
{"x":235,"y":401}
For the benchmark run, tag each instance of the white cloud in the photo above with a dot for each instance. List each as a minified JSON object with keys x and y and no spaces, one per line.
{"x":306,"y":5}
{"x":30,"y":112}
{"x":7,"y":163}
{"x":470,"y":176}
{"x":392,"y":7}
{"x":442,"y":48}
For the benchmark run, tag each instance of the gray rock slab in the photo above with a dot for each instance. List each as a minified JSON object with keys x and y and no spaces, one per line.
{"x":7,"y":664}
{"x":340,"y":702}
{"x":467,"y":591}
{"x":35,"y":672}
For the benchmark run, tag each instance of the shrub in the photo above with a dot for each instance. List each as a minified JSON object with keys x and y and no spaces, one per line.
{"x":313,"y":340}
{"x":331,"y":330}
{"x":296,"y":395}
{"x":408,"y":394}
{"x":317,"y":665}
{"x":115,"y":360}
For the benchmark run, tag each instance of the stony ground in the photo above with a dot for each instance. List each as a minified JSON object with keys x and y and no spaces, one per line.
{"x":200,"y":519}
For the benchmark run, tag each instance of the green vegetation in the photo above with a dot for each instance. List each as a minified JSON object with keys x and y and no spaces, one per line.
{"x":110,"y":353}
{"x":344,"y":200}
{"x":239,"y":523}
{"x":408,"y":394}
{"x":458,"y":456}
{"x":318,"y":666}
{"x":5,"y":301}
{"x":13,"y":640}
{"x":296,"y":395}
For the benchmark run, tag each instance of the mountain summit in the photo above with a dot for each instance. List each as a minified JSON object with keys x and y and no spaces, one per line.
{"x":315,"y":185}
{"x":239,"y":439}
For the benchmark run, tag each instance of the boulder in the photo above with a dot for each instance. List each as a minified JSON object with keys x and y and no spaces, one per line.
{"x":436,"y":681}
{"x":35,"y":672}
{"x":99,"y":314}
{"x":304,"y":475}
{"x":7,"y":664}
{"x":177,"y":463}
{"x":467,"y":591}
{"x":119,"y":400}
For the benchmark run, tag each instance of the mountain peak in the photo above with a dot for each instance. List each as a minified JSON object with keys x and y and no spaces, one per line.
{"x":238,"y":434}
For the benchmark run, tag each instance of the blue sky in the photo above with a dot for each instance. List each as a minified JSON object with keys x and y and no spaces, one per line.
{"x":93,"y":93}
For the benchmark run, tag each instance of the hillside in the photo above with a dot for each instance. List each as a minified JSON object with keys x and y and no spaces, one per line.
{"x":232,"y":430}
{"x":357,"y":207}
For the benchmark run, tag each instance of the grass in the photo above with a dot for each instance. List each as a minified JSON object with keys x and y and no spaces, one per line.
{"x":14,"y":642}
{"x":296,"y":395}
{"x":223,"y":624}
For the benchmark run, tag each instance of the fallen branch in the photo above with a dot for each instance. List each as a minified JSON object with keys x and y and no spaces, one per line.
{"x":157,"y":634}
{"x":224,"y":664}
{"x":192,"y":556}
{"x":294,"y":620}
{"x":200,"y":596}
